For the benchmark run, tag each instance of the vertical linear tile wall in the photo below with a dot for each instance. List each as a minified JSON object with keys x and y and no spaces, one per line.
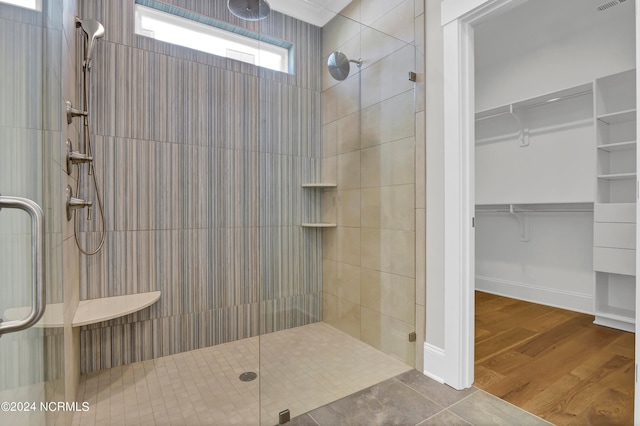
{"x":374,"y":149}
{"x":201,"y":160}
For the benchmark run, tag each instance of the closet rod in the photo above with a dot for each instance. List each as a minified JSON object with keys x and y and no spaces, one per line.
{"x":560,"y":98}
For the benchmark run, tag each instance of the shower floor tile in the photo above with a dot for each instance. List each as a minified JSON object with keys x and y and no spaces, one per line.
{"x":299,"y":369}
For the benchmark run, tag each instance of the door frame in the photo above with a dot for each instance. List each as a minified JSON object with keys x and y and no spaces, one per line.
{"x":459,"y":190}
{"x":636,"y":407}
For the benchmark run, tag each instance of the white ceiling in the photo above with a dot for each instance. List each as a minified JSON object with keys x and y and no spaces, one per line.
{"x":537,"y":23}
{"x":316,"y":12}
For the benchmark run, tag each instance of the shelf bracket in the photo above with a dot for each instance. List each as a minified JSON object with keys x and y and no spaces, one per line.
{"x":523,"y":134}
{"x":523,"y":224}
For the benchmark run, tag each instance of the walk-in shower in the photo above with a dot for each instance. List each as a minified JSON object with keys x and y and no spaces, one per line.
{"x":212,"y":203}
{"x":339,"y":66}
{"x":93,"y":30}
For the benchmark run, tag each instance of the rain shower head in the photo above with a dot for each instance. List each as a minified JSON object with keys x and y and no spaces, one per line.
{"x":338,"y":65}
{"x":249,"y":10}
{"x":94,"y":30}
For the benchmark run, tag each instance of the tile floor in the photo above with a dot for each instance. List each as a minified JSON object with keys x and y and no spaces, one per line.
{"x":299,"y":369}
{"x":411,"y":399}
{"x":322,"y":375}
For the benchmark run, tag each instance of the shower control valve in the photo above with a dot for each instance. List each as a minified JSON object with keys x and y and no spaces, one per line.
{"x":75,"y":157}
{"x":75,"y":203}
{"x":73,"y":112}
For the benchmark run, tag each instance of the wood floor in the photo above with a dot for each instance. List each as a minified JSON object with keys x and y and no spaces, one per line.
{"x":553,"y":363}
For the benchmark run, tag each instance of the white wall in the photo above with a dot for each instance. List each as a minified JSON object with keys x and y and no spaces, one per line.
{"x":554,"y":267}
{"x":518,"y":57}
{"x":435,"y":176}
{"x":558,"y":164}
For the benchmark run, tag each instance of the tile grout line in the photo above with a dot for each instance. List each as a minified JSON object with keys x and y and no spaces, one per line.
{"x":502,"y":400}
{"x":418,"y":392}
{"x":439,"y":412}
{"x":430,"y":417}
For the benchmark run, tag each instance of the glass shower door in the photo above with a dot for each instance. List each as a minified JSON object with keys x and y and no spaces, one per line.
{"x":31,"y":373}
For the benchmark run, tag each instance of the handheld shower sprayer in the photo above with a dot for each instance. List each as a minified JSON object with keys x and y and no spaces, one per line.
{"x":94,"y":30}
{"x":83,"y":158}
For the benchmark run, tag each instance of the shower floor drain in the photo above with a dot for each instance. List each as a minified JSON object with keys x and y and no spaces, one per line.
{"x":248,"y":376}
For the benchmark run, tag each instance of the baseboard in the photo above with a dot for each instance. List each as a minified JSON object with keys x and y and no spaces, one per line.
{"x":577,"y":302}
{"x":434,"y":362}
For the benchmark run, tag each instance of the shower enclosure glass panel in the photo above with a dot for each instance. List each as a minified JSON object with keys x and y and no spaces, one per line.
{"x":340,"y":291}
{"x":31,"y":361}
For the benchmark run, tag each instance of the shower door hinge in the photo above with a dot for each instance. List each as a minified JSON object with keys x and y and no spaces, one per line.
{"x":284,"y":416}
{"x":412,"y":336}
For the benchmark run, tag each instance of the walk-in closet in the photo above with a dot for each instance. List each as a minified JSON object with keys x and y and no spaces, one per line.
{"x":556,"y":157}
{"x":555,"y":181}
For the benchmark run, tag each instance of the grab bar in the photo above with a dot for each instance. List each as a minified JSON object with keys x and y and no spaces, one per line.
{"x":38,"y":302}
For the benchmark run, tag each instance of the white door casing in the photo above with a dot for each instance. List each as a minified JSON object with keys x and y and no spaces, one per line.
{"x":459,"y":204}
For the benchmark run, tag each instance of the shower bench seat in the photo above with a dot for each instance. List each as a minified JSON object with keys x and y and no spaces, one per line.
{"x":90,"y":311}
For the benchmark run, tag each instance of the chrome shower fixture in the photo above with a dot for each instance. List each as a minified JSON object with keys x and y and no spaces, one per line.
{"x":338,"y":65}
{"x":74,"y":203}
{"x":249,"y":10}
{"x":75,"y":157}
{"x":94,"y":30}
{"x":73,"y":112}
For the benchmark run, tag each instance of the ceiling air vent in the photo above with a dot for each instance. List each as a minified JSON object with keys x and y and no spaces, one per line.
{"x":609,"y":5}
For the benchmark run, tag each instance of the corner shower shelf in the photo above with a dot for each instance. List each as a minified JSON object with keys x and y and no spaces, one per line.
{"x":319,"y":185}
{"x":319,"y":224}
{"x":90,"y":311}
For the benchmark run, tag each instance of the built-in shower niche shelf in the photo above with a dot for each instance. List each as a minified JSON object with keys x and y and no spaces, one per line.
{"x":319,"y":225}
{"x":106,"y":308}
{"x":89,"y":311}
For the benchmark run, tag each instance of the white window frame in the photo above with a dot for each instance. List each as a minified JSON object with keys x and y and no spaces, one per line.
{"x":249,"y":44}
{"x":27,"y":4}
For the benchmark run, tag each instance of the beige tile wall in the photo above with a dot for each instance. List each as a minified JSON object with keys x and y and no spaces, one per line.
{"x":373,"y":148}
{"x":71,"y":82}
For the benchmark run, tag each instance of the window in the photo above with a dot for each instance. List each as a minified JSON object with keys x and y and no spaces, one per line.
{"x":27,"y":4}
{"x":207,"y":35}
